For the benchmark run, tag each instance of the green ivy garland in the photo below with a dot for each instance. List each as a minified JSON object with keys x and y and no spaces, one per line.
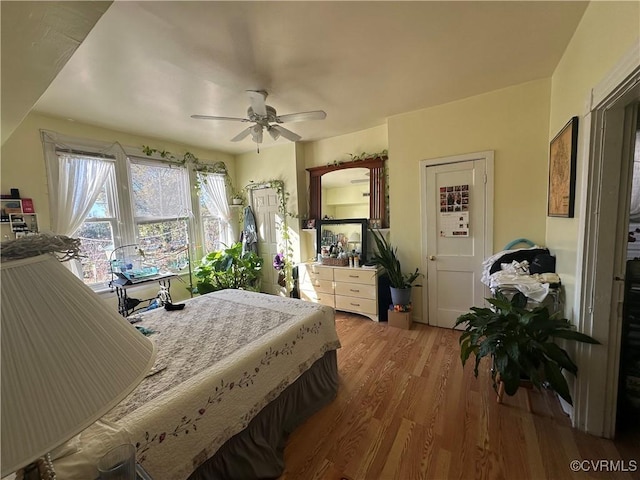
{"x":361,"y":156}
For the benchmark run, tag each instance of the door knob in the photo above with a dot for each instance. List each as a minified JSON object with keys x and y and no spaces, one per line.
{"x":432,"y":257}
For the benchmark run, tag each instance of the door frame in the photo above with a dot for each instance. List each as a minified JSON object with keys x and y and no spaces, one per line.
{"x":488,"y":157}
{"x":282,"y":243}
{"x":600,"y":264}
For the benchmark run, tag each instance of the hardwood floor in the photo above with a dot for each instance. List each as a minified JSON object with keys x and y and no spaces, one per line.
{"x":407,"y":410}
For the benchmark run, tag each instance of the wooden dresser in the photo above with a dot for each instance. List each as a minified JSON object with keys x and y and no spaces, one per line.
{"x":357,"y":290}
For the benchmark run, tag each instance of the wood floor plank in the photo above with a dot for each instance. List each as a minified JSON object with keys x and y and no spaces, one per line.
{"x":407,"y":410}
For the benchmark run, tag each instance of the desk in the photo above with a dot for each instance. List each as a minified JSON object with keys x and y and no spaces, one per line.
{"x":127,"y":305}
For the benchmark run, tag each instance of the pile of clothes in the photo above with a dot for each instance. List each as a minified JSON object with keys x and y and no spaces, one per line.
{"x":528,"y":270}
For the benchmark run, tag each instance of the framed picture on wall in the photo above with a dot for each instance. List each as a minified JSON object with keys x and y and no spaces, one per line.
{"x":562,"y":171}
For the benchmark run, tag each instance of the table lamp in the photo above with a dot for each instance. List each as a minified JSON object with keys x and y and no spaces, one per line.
{"x":354,"y":238}
{"x":67,"y":358}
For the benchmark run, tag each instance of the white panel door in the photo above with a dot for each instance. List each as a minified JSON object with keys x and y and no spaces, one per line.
{"x":456,"y":204}
{"x":265,"y":208}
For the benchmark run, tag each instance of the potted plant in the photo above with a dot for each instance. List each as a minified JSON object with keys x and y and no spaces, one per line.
{"x":400,"y":283}
{"x":237,"y":196}
{"x":520,"y":343}
{"x":228,"y":268}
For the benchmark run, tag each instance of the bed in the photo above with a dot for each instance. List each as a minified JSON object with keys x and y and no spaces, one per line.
{"x":236,"y":372}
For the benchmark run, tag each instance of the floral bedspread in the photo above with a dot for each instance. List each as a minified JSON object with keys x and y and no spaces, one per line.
{"x":220,"y":361}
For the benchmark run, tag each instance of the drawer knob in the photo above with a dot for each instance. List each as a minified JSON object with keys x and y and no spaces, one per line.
{"x":354,"y":276}
{"x":355,"y":304}
{"x":354,"y":290}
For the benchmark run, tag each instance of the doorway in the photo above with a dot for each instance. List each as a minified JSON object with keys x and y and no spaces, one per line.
{"x":264,"y":203}
{"x":628,"y":405}
{"x":609,"y":130}
{"x":457,"y":223}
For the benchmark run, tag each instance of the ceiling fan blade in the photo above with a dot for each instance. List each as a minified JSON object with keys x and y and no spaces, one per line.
{"x":243,"y":134}
{"x":288,"y":134}
{"x":212,"y":117}
{"x":258,"y":98}
{"x":302,"y":116}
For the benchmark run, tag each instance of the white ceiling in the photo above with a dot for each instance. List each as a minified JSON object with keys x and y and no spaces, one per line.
{"x":37,"y":40}
{"x":147,"y":66}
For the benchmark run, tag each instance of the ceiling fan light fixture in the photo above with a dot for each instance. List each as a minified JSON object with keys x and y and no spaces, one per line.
{"x":256,"y":133}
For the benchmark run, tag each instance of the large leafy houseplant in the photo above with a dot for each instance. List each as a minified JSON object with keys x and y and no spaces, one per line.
{"x":228,"y":268}
{"x":520,"y":342}
{"x":386,"y":257}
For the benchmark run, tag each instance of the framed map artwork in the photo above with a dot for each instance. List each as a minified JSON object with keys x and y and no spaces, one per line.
{"x":562,"y":171}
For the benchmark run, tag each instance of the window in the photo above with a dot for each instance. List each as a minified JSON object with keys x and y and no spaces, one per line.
{"x":215,"y":212}
{"x":212,"y":229}
{"x":97,"y":235}
{"x":162,"y":210}
{"x":114,"y":201}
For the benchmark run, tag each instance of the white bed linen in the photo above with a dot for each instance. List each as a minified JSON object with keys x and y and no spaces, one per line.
{"x":178,"y":419}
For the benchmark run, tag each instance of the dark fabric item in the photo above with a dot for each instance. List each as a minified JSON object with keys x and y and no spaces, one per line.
{"x":518,"y":256}
{"x":249,"y":232}
{"x":257,"y":452}
{"x":543,"y":263}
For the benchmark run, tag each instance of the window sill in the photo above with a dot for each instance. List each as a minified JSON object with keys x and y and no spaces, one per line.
{"x":102,"y":289}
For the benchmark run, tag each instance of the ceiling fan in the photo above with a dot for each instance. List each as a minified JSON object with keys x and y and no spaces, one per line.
{"x":265,"y":116}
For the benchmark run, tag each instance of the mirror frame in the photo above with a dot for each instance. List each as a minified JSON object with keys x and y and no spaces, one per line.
{"x":377,"y":200}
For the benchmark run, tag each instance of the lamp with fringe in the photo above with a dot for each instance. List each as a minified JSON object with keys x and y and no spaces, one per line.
{"x":67,"y":358}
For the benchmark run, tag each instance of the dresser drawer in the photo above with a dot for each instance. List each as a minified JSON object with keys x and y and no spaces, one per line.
{"x":315,"y":272}
{"x":358,"y":305}
{"x":318,"y":297}
{"x":355,"y":275}
{"x":359,"y":290}
{"x":317,"y":285}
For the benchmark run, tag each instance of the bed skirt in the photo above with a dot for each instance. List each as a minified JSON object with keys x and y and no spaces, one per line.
{"x":257,"y":452}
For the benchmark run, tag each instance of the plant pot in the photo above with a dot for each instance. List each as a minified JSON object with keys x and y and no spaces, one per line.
{"x":236,"y":201}
{"x":400,"y":296}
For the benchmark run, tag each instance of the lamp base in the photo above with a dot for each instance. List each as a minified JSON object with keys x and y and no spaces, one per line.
{"x":41,"y":469}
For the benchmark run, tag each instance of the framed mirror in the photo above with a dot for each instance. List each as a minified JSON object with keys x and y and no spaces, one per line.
{"x":346,"y":195}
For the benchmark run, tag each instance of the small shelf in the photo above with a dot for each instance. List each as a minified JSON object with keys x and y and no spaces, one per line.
{"x":23,"y":223}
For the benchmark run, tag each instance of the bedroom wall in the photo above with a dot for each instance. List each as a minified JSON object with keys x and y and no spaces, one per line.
{"x":279,"y":162}
{"x":23,"y":167}
{"x":513,"y":122}
{"x":605,"y":33}
{"x":322,"y":152}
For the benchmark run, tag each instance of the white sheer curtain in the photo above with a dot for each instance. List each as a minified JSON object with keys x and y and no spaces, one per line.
{"x":79,"y":182}
{"x":214,"y":195}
